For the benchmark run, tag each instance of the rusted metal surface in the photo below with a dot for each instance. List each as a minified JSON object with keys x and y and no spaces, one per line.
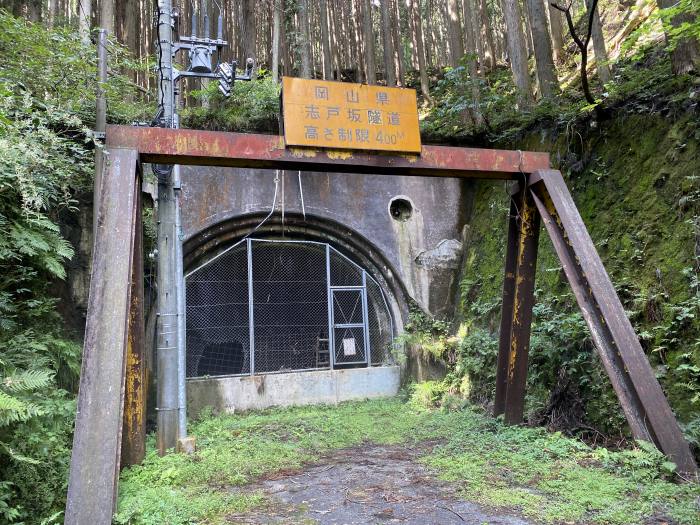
{"x":643,"y":402}
{"x":523,"y":300}
{"x":94,"y":466}
{"x":499,"y":403}
{"x":134,"y":429}
{"x":244,"y":150}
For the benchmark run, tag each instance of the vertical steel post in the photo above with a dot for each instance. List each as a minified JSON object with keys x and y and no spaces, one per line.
{"x":507,"y":309}
{"x":181,"y":312}
{"x":251,"y":306}
{"x":134,"y":423}
{"x":100,"y":120}
{"x":167,"y":345}
{"x":94,"y":468}
{"x":523,"y":300}
{"x":365,"y":317}
{"x":331,"y":334}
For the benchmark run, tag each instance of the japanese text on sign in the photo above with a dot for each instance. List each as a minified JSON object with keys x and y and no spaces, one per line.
{"x":340,"y":115}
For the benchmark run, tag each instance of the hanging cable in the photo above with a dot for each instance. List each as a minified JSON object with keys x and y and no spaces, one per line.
{"x":301,"y":194}
{"x":251,"y":232}
{"x":282,"y":204}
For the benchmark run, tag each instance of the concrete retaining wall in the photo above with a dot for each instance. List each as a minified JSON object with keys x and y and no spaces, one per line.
{"x":228,"y":394}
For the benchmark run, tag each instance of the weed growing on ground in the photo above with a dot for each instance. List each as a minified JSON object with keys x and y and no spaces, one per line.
{"x":546,"y":476}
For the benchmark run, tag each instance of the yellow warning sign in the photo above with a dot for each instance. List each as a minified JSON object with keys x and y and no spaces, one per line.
{"x":340,"y":115}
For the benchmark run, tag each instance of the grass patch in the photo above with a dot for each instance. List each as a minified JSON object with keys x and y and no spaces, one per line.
{"x":545,"y":476}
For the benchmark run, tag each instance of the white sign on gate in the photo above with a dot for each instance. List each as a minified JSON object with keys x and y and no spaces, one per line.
{"x":349,"y":346}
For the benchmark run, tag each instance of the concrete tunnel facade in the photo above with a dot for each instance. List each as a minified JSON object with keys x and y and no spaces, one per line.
{"x":406,"y":232}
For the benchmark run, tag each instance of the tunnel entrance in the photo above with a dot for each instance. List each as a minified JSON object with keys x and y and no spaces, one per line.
{"x":271,"y":306}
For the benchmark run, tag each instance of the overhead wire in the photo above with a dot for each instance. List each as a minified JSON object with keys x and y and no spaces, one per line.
{"x":251,"y":232}
{"x":301,"y":194}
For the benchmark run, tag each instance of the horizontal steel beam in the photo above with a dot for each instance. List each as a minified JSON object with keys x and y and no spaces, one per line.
{"x":247,"y":150}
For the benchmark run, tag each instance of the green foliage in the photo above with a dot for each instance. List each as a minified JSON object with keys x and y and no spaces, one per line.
{"x":47,"y":100}
{"x":635,"y":182}
{"x":642,"y":81}
{"x":685,"y":11}
{"x":544,"y":475}
{"x":253,"y":106}
{"x":424,"y":334}
{"x":428,"y":394}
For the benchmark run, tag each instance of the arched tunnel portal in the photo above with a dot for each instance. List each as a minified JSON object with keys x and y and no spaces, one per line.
{"x":314,"y":272}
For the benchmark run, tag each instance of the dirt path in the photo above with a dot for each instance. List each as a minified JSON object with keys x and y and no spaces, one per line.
{"x":368,"y":485}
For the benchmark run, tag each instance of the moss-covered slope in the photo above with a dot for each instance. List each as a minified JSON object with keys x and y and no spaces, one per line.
{"x":635,"y":179}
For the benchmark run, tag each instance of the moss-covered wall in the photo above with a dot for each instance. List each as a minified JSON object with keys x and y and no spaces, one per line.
{"x":636,"y":181}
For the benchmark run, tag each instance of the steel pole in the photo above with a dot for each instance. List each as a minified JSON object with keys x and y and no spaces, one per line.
{"x":180,"y":293}
{"x":100,"y":121}
{"x":168,"y":238}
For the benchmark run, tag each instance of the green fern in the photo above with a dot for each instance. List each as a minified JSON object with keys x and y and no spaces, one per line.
{"x":16,"y":455}
{"x":14,"y":410}
{"x":27,"y":381}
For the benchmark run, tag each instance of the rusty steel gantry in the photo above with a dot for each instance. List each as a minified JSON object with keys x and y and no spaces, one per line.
{"x":111,"y":401}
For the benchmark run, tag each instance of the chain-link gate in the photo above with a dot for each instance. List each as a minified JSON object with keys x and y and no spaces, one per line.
{"x":264,"y":306}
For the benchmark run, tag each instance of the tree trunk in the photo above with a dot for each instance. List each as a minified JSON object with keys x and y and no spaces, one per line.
{"x":601,"y":55}
{"x":528,"y":33}
{"x":53,"y":9}
{"x":400,"y":63}
{"x":334,"y":30}
{"x":313,"y":38}
{"x":34,"y":11}
{"x":106,"y":16}
{"x":131,"y":30}
{"x":276,"y":28}
{"x":368,"y":37}
{"x":478,"y":38}
{"x":267,"y":26}
{"x":250,"y":31}
{"x":468,"y":10}
{"x":359,"y":61}
{"x":517,"y":52}
{"x":388,"y":44}
{"x":556,"y":32}
{"x":454,"y":32}
{"x":285,"y":54}
{"x":488,"y":33}
{"x":84,"y":18}
{"x":546,"y":74}
{"x":686,"y":55}
{"x":304,"y":39}
{"x":428,"y":37}
{"x":471,"y":37}
{"x":417,"y":34}
{"x":325,"y":41}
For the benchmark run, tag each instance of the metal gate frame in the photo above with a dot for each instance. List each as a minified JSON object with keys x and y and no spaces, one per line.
{"x":111,"y":339}
{"x":330,"y":289}
{"x":333,"y":326}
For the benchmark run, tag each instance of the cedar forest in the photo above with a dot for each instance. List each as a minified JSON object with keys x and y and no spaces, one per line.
{"x":610,"y":88}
